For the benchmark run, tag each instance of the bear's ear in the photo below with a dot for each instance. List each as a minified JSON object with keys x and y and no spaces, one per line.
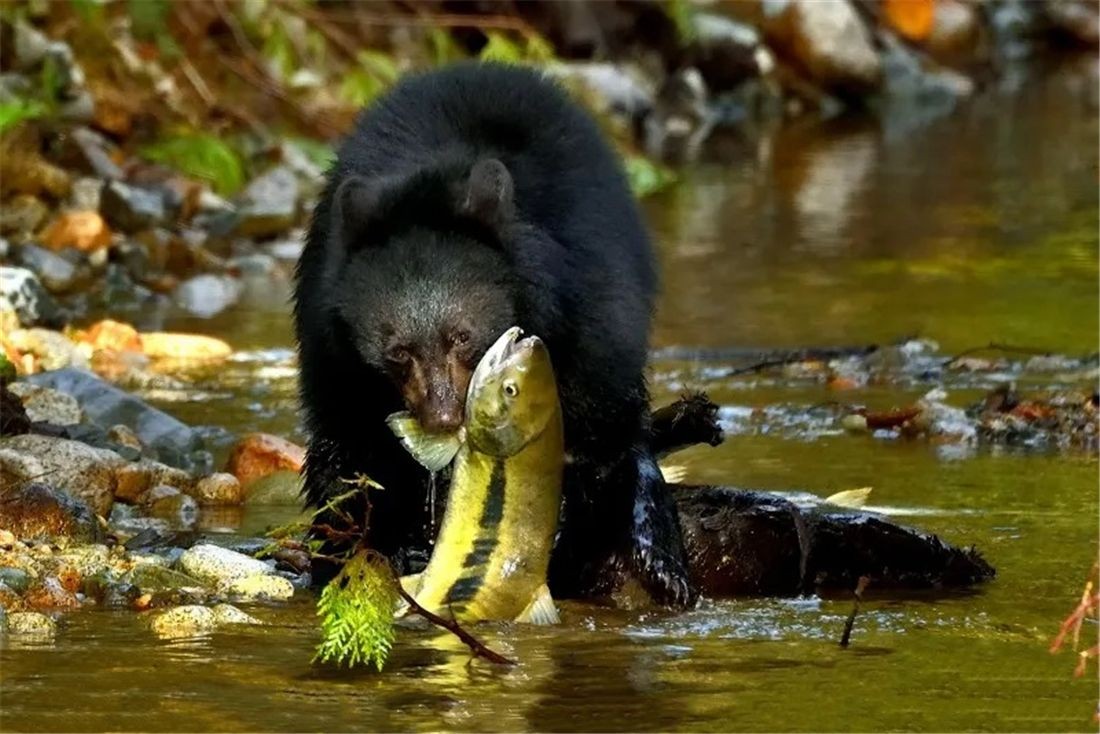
{"x":489,"y":194}
{"x":355,"y":205}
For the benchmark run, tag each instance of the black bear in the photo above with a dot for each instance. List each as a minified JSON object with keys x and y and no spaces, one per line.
{"x":467,"y":200}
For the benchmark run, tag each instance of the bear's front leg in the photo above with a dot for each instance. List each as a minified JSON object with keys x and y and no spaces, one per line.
{"x":657,"y":547}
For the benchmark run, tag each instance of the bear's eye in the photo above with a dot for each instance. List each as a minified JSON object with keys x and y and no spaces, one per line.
{"x":461,"y":337}
{"x":511,"y":389}
{"x":399,"y":355}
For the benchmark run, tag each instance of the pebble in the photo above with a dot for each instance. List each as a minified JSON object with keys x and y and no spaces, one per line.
{"x":31,"y":301}
{"x":218,"y":489}
{"x":45,"y":405}
{"x":185,"y":621}
{"x":16,"y":579}
{"x":229,"y":614}
{"x":58,"y":274}
{"x":207,"y":295}
{"x":213,"y":564}
{"x":130,"y":208}
{"x":269,"y":205}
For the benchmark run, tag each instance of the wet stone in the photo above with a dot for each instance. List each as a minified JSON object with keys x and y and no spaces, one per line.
{"x":218,"y":489}
{"x":82,"y":471}
{"x":229,"y":614}
{"x":212,"y":564}
{"x":259,"y":588}
{"x":31,"y":624}
{"x":257,"y":455}
{"x":15,"y":579}
{"x":151,"y":578}
{"x":185,"y":621}
{"x":269,"y":205}
{"x":207,"y":295}
{"x":130,"y":208}
{"x":31,"y":301}
{"x":179,"y":510}
{"x":36,"y":511}
{"x":23,"y":215}
{"x":44,"y":405}
{"x":58,"y":274}
{"x":89,"y":151}
{"x":51,"y":348}
{"x":49,"y":593}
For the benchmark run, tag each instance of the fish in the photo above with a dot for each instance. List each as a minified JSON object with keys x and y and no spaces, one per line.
{"x":492,"y":553}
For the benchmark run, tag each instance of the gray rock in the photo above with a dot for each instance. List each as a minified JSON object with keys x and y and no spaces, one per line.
{"x":256,"y":265}
{"x":84,"y":472}
{"x":31,"y":301}
{"x":269,"y":205}
{"x":186,"y":621}
{"x":32,"y":625}
{"x":259,"y":588}
{"x":30,"y":46}
{"x":829,"y":39}
{"x":278,"y":488}
{"x":46,"y":405}
{"x":22,"y":215}
{"x":55,"y":272}
{"x":15,"y":579}
{"x":89,"y":560}
{"x":179,"y":510}
{"x":84,"y":195}
{"x":212,"y":564}
{"x":106,"y":405}
{"x":288,"y":249}
{"x":130,"y":208}
{"x":207,"y":295}
{"x":616,"y":89}
{"x":90,"y":152}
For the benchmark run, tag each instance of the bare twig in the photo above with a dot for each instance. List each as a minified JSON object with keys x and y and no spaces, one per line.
{"x":860,"y":588}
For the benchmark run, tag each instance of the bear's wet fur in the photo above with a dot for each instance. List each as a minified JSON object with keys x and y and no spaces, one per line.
{"x":467,"y":200}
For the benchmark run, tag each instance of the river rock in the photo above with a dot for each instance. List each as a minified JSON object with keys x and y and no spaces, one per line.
{"x":259,"y":588}
{"x":137,"y":478}
{"x":57,"y":273}
{"x":36,"y":511}
{"x":153,"y":578}
{"x":162,"y":345}
{"x":32,"y":625}
{"x":84,"y":472}
{"x":106,"y":405}
{"x":49,"y":593}
{"x":269,"y":205}
{"x":51,"y":349}
{"x":82,"y":230}
{"x":279,"y":488}
{"x":130,"y":208}
{"x":229,"y":614}
{"x":213,"y":564}
{"x":207,"y":295}
{"x":32,"y":303}
{"x":726,"y":52}
{"x":954,"y":29}
{"x":88,"y":560}
{"x":22,"y":215}
{"x":175,"y":507}
{"x":828,"y":39}
{"x":15,"y":579}
{"x":90,"y":152}
{"x":10,"y":600}
{"x":217,"y":489}
{"x":46,"y":405}
{"x":258,"y":454}
{"x":614,"y":88}
{"x":185,"y":621}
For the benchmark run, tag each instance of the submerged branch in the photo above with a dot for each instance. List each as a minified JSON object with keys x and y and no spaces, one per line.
{"x":477,"y":647}
{"x":846,"y":637}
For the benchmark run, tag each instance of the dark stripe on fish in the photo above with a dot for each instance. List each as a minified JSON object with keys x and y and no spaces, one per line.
{"x":464,"y":589}
{"x":479,"y":556}
{"x":494,"y":501}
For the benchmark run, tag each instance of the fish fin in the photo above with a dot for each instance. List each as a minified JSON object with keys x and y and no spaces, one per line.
{"x":433,"y":451}
{"x":541,"y":610}
{"x":853,"y":498}
{"x":673,"y":473}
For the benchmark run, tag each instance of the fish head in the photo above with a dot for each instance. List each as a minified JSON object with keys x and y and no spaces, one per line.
{"x":513,"y":395}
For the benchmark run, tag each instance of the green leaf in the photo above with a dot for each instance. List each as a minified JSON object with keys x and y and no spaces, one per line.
{"x":646,"y":176}
{"x":501,"y":49}
{"x":202,"y":156}
{"x":357,"y":613}
{"x":16,"y":111}
{"x":683,"y":16}
{"x":443,"y":47}
{"x":148,"y":18}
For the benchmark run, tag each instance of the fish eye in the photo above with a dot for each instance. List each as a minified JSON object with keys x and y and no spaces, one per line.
{"x":511,"y":389}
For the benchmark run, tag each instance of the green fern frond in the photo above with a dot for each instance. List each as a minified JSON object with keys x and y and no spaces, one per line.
{"x":357,"y":611}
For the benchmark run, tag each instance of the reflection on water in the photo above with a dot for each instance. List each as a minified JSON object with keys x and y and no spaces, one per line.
{"x":977,"y":227}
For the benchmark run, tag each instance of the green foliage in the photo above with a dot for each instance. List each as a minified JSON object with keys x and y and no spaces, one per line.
{"x":90,"y":11}
{"x":682,"y":14}
{"x":148,"y":18}
{"x":357,"y":613}
{"x":646,"y":176}
{"x":320,"y":154}
{"x":279,"y":51}
{"x":202,"y":156}
{"x":15,"y":111}
{"x":443,"y":47}
{"x":375,"y":72}
{"x":502,"y":49}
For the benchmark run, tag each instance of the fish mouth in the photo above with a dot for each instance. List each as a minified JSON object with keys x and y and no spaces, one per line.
{"x":507,"y":345}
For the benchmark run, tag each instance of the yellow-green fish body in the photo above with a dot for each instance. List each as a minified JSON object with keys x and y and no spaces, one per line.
{"x":493,"y":550}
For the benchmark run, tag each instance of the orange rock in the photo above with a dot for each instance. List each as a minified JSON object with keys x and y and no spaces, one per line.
{"x":114,"y":336}
{"x":160,"y":345}
{"x":70,"y":578}
{"x":259,"y":454}
{"x":86,"y":231}
{"x":912,"y":19}
{"x":50,"y":594}
{"x":842,"y":383}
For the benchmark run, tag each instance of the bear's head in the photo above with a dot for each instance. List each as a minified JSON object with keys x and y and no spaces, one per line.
{"x":421,"y":280}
